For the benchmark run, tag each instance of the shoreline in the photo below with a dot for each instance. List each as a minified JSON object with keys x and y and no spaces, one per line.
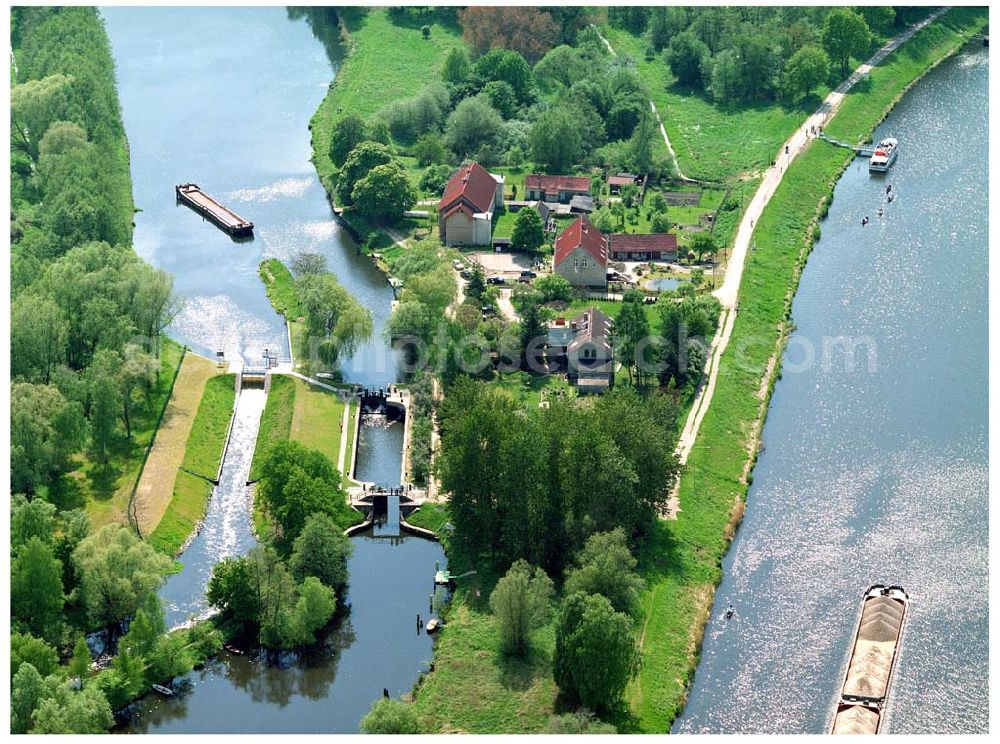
{"x":735,"y":507}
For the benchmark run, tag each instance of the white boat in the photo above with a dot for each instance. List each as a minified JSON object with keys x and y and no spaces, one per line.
{"x":884,"y":155}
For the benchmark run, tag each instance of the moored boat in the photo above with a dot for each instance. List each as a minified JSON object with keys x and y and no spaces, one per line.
{"x":884,"y":155}
{"x":163,"y":690}
{"x":873,"y":658}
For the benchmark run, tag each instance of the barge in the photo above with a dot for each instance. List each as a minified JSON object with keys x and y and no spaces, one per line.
{"x":191,"y":195}
{"x":860,"y":707}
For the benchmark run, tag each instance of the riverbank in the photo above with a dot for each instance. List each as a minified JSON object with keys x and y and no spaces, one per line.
{"x":713,"y":487}
{"x":196,"y":476}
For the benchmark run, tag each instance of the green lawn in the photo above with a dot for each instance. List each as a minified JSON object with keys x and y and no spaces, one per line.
{"x":281,"y":289}
{"x":104,"y":490}
{"x":529,"y":389}
{"x":276,"y":420}
{"x":317,"y":418}
{"x":386,"y":62}
{"x":712,"y":142}
{"x":202,"y":458}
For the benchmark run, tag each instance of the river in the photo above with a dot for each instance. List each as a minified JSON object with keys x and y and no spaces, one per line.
{"x":222,"y":97}
{"x":876,"y":471}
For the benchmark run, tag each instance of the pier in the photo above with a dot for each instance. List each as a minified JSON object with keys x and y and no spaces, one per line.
{"x":865,"y":152}
{"x":191,"y":195}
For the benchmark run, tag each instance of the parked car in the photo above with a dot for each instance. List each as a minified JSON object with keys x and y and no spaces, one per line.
{"x":496,"y":279}
{"x":528,"y":275}
{"x":466,"y":273}
{"x":458,"y":265}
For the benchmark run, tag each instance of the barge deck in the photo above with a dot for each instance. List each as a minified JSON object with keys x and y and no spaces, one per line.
{"x":191,"y":195}
{"x":860,"y":708}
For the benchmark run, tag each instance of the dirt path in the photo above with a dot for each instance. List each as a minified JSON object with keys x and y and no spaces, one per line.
{"x":156,"y":486}
{"x":728,"y":293}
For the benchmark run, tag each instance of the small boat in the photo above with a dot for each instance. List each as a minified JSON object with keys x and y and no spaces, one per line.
{"x":884,"y":155}
{"x":432,"y":625}
{"x":232,"y":649}
{"x":163,"y":690}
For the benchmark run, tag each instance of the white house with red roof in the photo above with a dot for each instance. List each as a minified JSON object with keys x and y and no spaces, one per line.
{"x":555,"y":188}
{"x":581,"y":255}
{"x":465,"y":213}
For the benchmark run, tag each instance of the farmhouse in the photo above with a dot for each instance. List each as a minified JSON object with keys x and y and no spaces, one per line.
{"x":582,"y":346}
{"x":465,"y":214}
{"x":655,"y":247}
{"x":615,"y":183}
{"x":555,"y":188}
{"x":581,"y":255}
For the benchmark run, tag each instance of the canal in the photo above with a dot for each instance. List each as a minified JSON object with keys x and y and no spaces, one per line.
{"x":222,"y":97}
{"x":876,"y":470}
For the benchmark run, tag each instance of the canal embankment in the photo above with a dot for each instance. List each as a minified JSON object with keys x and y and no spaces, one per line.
{"x":719,"y":470}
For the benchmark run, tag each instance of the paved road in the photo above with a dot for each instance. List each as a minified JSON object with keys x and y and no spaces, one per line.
{"x":728,"y":293}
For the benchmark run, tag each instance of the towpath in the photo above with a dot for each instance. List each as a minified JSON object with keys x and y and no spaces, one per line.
{"x":728,"y":293}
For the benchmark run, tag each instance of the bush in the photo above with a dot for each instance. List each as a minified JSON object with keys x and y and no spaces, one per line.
{"x":520,"y":603}
{"x":389,"y":716}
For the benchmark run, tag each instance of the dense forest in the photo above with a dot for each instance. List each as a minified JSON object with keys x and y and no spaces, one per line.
{"x":86,"y":319}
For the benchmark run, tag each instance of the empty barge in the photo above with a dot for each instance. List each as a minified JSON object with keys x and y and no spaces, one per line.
{"x":192,"y":196}
{"x":860,"y":708}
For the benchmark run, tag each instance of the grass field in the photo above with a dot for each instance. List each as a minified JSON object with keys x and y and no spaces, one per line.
{"x":280,"y":288}
{"x":275,"y":421}
{"x":316,"y":419}
{"x":203,"y":455}
{"x":104,"y":490}
{"x":683,"y":572}
{"x":386,"y":62}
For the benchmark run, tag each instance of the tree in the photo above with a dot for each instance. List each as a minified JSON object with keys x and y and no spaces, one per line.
{"x":428,"y":150}
{"x":596,"y":655}
{"x":65,"y":712}
{"x":38,"y":334}
{"x":845,"y":33}
{"x":685,"y":56}
{"x":106,"y":401}
{"x":532,"y":329}
{"x":528,"y":233}
{"x":321,"y":550}
{"x":528,"y":31}
{"x":385,"y":193}
{"x":476,"y":286}
{"x":27,"y":691}
{"x":641,"y":144}
{"x":456,"y":66}
{"x":365,"y":156}
{"x":411,"y":318}
{"x":233,"y":591}
{"x":315,"y":606}
{"x":45,"y":429}
{"x":554,"y":287}
{"x":581,"y":721}
{"x":308,"y":262}
{"x":435,"y":178}
{"x":606,"y":566}
{"x":116,"y":571}
{"x":555,"y":140}
{"x":348,"y":133}
{"x":79,"y":664}
{"x":562,"y":65}
{"x":30,"y":519}
{"x":659,"y":223}
{"x":878,"y":17}
{"x":703,"y":244}
{"x":36,"y":590}
{"x":510,"y":67}
{"x":26,"y":649}
{"x":807,"y":68}
{"x":521,"y":602}
{"x":631,"y":327}
{"x":473,"y":124}
{"x":389,"y":716}
{"x":726,"y":76}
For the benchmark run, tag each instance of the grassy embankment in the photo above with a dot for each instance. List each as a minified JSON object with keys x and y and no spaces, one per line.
{"x":471,"y":689}
{"x":386,"y":62}
{"x":200,"y":467}
{"x":104,"y":490}
{"x":713,"y":488}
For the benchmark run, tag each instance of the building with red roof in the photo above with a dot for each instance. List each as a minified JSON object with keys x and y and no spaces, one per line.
{"x":581,"y":255}
{"x":465,"y":213}
{"x":654,"y":247}
{"x":555,"y":188}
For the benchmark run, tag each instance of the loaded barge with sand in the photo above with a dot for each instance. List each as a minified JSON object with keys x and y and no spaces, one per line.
{"x":860,"y":709}
{"x":192,"y":196}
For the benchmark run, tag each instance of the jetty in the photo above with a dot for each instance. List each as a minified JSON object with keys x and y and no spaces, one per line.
{"x":865,"y":152}
{"x":191,"y":195}
{"x":860,"y":709}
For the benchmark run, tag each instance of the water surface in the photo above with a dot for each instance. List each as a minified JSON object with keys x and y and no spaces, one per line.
{"x":874,"y":471}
